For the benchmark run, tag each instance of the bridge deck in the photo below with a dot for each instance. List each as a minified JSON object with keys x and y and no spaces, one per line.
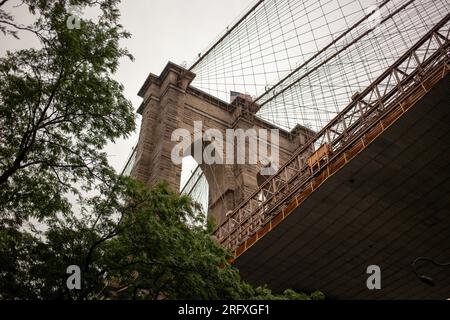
{"x":387,"y":206}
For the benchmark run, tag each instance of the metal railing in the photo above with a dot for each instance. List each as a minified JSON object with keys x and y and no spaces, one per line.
{"x":366,"y":109}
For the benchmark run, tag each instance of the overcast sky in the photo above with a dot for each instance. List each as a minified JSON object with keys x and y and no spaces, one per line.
{"x":166,"y":30}
{"x":162,"y":31}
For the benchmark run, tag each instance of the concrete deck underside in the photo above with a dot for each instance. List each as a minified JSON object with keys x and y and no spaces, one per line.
{"x":388,"y":206}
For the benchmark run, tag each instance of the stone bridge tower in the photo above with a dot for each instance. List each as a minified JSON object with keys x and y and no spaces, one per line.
{"x":170,"y":103}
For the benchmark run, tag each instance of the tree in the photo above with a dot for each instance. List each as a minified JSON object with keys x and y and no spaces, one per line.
{"x":59,"y":106}
{"x":146,"y":244}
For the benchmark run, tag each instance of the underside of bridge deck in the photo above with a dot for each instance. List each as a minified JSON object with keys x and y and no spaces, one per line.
{"x":388,"y":206}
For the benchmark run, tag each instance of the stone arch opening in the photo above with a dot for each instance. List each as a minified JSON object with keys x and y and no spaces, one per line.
{"x":194,"y":182}
{"x":216,"y":198}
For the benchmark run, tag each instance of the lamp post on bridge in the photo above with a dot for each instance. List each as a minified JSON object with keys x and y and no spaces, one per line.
{"x":426,"y":279}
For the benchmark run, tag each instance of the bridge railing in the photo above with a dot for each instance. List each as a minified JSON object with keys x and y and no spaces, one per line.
{"x":365,"y":109}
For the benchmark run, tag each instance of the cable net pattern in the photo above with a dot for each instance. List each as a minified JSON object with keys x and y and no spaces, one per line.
{"x":302,"y":61}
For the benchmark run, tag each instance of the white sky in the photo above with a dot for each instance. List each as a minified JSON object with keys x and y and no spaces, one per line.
{"x":166,"y":30}
{"x":162,"y":31}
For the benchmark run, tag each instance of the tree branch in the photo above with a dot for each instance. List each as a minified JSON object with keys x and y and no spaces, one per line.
{"x":29,"y":137}
{"x":23,"y":28}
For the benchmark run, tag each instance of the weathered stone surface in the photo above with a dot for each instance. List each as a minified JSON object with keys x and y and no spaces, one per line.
{"x":171,"y":103}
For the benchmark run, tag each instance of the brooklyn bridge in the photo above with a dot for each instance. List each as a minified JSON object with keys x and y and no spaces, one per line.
{"x":361,"y":98}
